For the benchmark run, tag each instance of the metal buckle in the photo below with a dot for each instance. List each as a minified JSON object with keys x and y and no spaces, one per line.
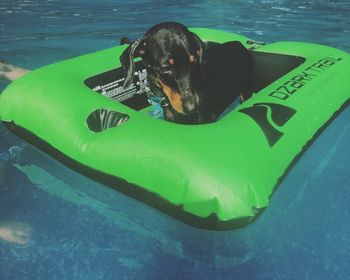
{"x":163,"y":102}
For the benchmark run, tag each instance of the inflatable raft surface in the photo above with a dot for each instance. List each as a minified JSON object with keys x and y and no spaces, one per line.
{"x":215,"y":176}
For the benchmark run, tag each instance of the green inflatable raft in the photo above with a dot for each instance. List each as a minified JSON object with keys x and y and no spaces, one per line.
{"x":215,"y":176}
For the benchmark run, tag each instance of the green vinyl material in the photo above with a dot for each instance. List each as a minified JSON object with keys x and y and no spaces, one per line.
{"x":217,"y":175}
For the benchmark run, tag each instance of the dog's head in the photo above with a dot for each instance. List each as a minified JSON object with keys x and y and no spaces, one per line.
{"x":173,"y":57}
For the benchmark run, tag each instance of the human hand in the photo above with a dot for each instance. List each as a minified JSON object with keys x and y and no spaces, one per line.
{"x":15,"y":232}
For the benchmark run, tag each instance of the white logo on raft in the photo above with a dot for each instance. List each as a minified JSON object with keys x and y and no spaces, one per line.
{"x":294,"y":84}
{"x":281,"y":114}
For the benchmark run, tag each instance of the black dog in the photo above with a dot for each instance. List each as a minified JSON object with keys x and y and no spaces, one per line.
{"x":198,"y":81}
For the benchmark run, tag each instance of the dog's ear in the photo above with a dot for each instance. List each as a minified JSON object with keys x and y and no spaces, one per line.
{"x":136,"y":49}
{"x":200,"y":46}
{"x":125,"y":41}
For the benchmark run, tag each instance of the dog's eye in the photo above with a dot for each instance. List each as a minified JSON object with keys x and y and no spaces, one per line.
{"x":193,"y":59}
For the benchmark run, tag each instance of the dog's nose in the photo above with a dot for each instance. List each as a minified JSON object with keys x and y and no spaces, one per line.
{"x":189,"y":104}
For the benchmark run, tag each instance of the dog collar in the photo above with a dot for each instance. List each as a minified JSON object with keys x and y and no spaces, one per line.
{"x":158,"y":104}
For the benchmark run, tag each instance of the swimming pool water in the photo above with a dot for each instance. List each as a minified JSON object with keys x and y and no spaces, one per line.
{"x":84,"y":230}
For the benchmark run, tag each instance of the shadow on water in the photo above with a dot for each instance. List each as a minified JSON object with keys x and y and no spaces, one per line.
{"x":87,"y":214}
{"x":55,"y":179}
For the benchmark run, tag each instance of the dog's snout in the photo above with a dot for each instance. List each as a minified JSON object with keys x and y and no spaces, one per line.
{"x":189,"y":103}
{"x":189,"y":107}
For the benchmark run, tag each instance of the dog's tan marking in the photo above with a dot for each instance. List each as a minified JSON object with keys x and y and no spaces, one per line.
{"x":173,"y":96}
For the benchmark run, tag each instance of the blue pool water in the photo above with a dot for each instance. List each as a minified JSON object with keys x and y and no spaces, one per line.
{"x":80,"y":229}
